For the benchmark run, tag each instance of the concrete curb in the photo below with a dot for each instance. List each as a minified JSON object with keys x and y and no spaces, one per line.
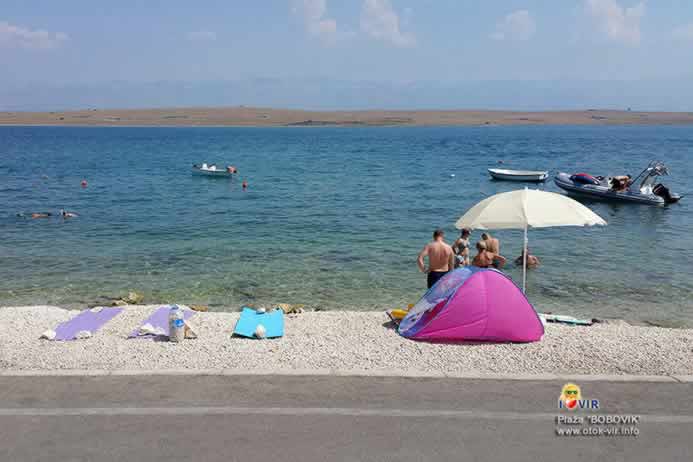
{"x":347,"y":373}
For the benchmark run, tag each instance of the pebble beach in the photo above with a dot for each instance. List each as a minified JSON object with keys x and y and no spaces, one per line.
{"x":337,"y":341}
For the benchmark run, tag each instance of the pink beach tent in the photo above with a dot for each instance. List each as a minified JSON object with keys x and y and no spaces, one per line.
{"x":473,"y":304}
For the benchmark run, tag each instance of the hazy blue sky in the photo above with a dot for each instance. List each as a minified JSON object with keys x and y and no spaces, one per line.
{"x":569,"y":47}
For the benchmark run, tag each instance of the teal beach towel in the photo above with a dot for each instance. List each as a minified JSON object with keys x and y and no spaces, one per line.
{"x":273,"y":321}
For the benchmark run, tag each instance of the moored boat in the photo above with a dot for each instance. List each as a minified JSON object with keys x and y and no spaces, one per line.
{"x":639,"y":190}
{"x":213,"y":170}
{"x":518,"y":175}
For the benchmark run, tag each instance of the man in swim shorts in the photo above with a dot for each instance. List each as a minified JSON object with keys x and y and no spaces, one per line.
{"x":441,"y":258}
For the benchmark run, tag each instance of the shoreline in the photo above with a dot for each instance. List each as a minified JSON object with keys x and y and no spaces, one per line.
{"x":270,"y":117}
{"x":333,"y":342}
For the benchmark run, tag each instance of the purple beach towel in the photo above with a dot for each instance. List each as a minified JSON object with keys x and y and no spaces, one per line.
{"x":159,"y":319}
{"x":87,"y":320}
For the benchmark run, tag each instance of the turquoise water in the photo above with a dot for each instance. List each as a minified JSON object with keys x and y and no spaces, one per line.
{"x":333,"y":217}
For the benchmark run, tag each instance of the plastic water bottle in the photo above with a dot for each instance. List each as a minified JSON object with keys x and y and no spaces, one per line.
{"x":176,"y":324}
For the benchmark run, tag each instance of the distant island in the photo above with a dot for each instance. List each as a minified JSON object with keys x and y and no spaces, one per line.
{"x":266,"y":117}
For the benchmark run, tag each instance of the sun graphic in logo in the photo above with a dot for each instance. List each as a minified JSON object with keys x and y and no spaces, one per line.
{"x":570,"y":395}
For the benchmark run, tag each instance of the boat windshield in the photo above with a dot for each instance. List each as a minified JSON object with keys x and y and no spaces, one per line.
{"x":651,"y":172}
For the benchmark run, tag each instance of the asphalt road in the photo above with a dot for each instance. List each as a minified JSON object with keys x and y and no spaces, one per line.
{"x":292,"y":418}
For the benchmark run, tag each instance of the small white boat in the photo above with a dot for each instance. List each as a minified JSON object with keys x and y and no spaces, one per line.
{"x":213,"y":170}
{"x":518,"y":175}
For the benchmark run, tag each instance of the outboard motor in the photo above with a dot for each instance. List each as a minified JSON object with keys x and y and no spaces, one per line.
{"x":663,"y":192}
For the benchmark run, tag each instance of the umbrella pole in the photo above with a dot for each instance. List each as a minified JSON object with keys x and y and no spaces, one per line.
{"x":524,"y":263}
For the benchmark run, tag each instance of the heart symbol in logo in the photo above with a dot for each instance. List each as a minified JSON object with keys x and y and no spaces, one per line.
{"x":571,"y":403}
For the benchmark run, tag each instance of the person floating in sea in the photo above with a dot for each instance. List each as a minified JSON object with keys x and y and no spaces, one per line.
{"x":485,"y":258}
{"x":244,"y":185}
{"x":532,"y":261}
{"x":41,"y":215}
{"x":441,"y":258}
{"x":65,"y":214}
{"x":461,"y":248}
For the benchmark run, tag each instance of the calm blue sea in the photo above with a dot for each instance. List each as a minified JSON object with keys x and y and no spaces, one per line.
{"x":333,"y":217}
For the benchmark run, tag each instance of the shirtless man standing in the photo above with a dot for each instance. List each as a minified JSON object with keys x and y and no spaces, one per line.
{"x":441,"y":258}
{"x":492,"y":244}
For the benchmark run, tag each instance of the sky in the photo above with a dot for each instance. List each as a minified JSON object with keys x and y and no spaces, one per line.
{"x":531,"y":54}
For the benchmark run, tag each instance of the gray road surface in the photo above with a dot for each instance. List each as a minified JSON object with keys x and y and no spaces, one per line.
{"x":296,"y":418}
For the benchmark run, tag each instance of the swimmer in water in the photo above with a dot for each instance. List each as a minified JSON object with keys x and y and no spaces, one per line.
{"x":532,"y":261}
{"x":40,"y":215}
{"x":65,"y":214}
{"x":245,"y":185}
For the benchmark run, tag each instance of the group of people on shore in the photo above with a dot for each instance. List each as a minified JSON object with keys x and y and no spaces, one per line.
{"x":443,"y":258}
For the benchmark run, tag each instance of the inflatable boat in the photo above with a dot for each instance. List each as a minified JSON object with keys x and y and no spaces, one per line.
{"x":643,"y":189}
{"x":518,"y":175}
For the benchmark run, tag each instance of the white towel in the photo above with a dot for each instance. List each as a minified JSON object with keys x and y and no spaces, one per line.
{"x":148,"y":329}
{"x":48,"y":335}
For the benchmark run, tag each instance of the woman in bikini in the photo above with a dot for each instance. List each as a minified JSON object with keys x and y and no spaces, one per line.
{"x":461,"y":249}
{"x":486,"y":259}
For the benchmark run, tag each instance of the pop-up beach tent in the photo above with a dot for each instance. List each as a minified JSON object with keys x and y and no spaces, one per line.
{"x":473,"y":304}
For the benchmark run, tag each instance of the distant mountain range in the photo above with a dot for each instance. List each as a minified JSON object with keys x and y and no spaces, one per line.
{"x":326,"y":94}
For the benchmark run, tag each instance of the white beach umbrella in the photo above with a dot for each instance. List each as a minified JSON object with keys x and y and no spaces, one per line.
{"x":527,"y":208}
